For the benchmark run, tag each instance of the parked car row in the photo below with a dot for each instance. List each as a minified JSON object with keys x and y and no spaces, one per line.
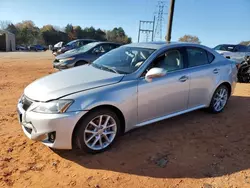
{"x":31,"y":48}
{"x":83,"y":55}
{"x":137,"y":84}
{"x":71,"y":45}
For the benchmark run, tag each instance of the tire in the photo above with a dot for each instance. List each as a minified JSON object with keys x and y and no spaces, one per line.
{"x":213,"y":107}
{"x":87,"y":134}
{"x":244,"y":74}
{"x":80,"y":63}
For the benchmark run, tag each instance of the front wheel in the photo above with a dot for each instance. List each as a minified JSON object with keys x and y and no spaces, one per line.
{"x":97,"y":131}
{"x":219,"y":99}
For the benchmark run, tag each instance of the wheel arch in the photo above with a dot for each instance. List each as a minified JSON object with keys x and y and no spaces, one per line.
{"x":81,"y":60}
{"x":103,"y":106}
{"x":229,"y":87}
{"x":227,"y":84}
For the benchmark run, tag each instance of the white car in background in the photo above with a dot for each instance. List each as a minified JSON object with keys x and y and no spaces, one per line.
{"x":239,"y":53}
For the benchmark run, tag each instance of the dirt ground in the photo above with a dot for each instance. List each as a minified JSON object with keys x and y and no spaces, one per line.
{"x":192,"y":150}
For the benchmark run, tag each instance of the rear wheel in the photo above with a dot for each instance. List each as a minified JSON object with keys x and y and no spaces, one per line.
{"x":219,"y":99}
{"x":97,"y":131}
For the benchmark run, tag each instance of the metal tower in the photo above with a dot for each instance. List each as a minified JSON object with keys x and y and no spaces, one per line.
{"x":159,"y":20}
{"x":146,"y":28}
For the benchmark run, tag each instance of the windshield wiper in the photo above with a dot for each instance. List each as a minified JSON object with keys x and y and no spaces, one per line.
{"x":100,"y":66}
{"x":111,"y":68}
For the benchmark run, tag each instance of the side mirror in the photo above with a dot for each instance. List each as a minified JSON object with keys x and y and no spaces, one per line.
{"x":155,"y":73}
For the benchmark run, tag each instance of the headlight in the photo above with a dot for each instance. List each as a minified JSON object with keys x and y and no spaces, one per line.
{"x":53,"y":107}
{"x":67,"y":59}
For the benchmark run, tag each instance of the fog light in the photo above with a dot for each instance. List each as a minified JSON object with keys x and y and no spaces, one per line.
{"x":52,"y":137}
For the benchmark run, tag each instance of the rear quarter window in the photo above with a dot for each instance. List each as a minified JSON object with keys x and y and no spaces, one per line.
{"x":210,"y":57}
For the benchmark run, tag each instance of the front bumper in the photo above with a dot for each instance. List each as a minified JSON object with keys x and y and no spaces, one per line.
{"x":68,"y":64}
{"x":40,"y":127}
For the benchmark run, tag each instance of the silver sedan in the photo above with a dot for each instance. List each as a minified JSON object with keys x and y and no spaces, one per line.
{"x":88,"y":107}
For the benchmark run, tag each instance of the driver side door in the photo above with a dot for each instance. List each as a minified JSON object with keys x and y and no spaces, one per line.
{"x":165,"y":95}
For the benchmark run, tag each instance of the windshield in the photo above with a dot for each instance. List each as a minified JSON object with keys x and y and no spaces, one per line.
{"x":229,"y":48}
{"x":123,"y":60}
{"x":86,"y":47}
{"x":70,"y":43}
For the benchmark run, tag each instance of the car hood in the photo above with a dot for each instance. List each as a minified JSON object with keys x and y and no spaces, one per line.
{"x":223,"y":52}
{"x":58,"y":45}
{"x":70,"y":81}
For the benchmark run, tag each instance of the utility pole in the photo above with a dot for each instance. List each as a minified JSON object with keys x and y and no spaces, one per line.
{"x":143,"y":28}
{"x":170,"y":20}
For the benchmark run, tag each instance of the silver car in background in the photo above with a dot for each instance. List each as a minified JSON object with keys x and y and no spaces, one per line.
{"x":88,"y":107}
{"x":83,"y":55}
{"x":237,"y":52}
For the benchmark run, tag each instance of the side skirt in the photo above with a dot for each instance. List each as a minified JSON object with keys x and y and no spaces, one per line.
{"x":169,"y":116}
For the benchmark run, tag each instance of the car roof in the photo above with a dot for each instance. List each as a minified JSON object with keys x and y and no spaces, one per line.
{"x":228,"y":44}
{"x":161,"y":44}
{"x":232,"y":45}
{"x":83,"y":40}
{"x":105,"y":42}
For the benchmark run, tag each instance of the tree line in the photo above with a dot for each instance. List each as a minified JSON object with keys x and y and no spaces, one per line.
{"x":195,"y":39}
{"x":27,"y":33}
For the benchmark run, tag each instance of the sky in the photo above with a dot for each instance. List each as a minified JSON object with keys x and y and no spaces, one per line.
{"x":213,"y":21}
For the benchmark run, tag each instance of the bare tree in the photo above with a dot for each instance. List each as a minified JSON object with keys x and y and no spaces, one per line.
{"x":190,"y":38}
{"x":4,"y":24}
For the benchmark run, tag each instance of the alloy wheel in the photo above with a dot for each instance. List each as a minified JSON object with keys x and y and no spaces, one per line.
{"x":220,"y":99}
{"x":100,"y":132}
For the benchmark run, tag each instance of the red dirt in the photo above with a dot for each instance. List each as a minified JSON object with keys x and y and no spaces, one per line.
{"x":192,"y":150}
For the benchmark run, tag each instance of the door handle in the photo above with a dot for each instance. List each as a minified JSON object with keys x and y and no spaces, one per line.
{"x":183,"y":79}
{"x":216,"y":71}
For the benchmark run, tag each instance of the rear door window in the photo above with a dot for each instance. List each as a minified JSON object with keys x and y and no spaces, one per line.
{"x":198,"y":57}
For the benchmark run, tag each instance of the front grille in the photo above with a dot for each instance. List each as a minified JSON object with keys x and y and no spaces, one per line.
{"x":26,"y":103}
{"x":56,"y":60}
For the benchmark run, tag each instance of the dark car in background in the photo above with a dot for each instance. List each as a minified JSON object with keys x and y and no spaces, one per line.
{"x":21,"y":48}
{"x":37,"y":47}
{"x":73,"y":45}
{"x":83,"y":55}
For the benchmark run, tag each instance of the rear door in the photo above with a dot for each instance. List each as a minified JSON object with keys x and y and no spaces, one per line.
{"x":203,"y":76}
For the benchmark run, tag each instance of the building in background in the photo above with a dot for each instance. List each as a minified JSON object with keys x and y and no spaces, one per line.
{"x":7,"y":41}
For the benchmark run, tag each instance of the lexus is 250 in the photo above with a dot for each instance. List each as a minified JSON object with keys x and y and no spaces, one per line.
{"x":137,"y":84}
